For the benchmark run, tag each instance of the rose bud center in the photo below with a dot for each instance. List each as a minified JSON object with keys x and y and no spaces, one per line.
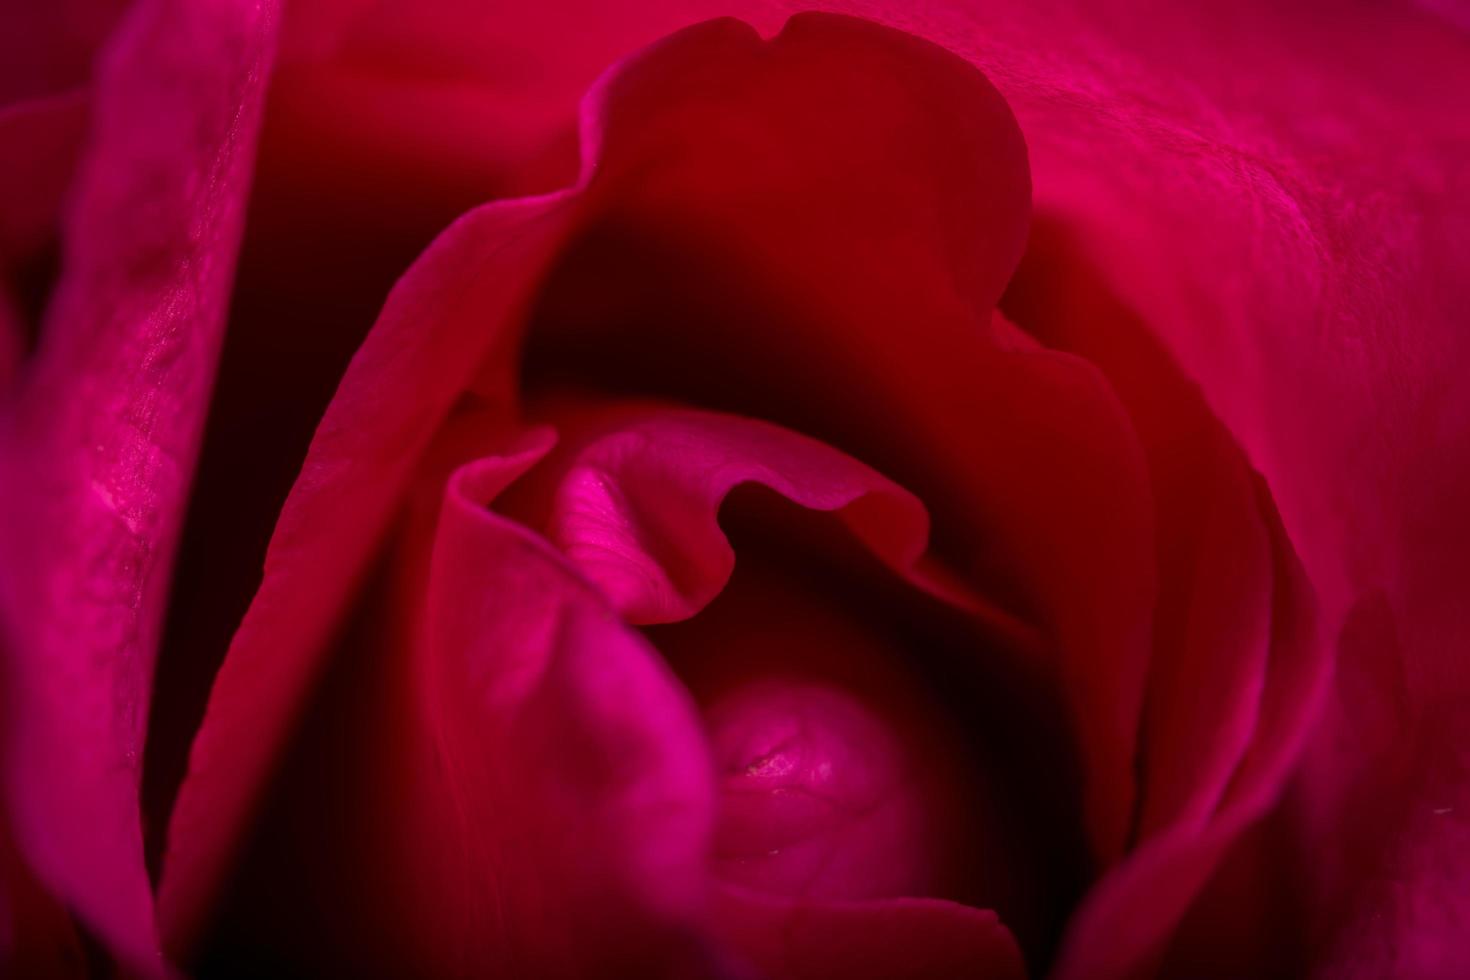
{"x":827,"y":795}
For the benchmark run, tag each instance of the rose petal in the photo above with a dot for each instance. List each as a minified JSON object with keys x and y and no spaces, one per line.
{"x":49,"y":48}
{"x":501,"y":764}
{"x":37,"y":937}
{"x":440,"y":321}
{"x":1123,"y":924}
{"x":100,"y":446}
{"x":1293,"y":234}
{"x":634,"y":497}
{"x":593,"y":753}
{"x":1392,"y":781}
{"x":808,"y":610}
{"x":905,"y":937}
{"x":1212,"y":631}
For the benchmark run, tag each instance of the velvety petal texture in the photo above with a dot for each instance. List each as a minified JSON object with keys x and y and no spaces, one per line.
{"x":100,"y":436}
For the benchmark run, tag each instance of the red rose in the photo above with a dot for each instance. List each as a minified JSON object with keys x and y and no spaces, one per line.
{"x":873,"y":497}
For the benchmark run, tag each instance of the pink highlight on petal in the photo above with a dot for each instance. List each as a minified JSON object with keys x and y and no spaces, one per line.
{"x":818,"y":795}
{"x":634,"y":500}
{"x":99,"y":447}
{"x":574,"y":754}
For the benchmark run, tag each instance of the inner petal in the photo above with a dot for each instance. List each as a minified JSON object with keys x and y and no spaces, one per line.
{"x":825,"y":794}
{"x":863,"y":745}
{"x":849,"y":687}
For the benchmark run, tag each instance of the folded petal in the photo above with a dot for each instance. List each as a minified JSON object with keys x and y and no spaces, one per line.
{"x":573,"y":746}
{"x":633,"y":497}
{"x":99,"y":448}
{"x":496,"y":763}
{"x":1293,"y":235}
{"x":1125,"y":921}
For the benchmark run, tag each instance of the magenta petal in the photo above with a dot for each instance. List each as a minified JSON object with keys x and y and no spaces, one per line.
{"x":634,"y":504}
{"x":503,"y":779}
{"x":1393,"y":784}
{"x":441,"y":321}
{"x":1127,"y":918}
{"x":100,"y":448}
{"x":584,"y":785}
{"x":1212,"y":627}
{"x":922,"y":939}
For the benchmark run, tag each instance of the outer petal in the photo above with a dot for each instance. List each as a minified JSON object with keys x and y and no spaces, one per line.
{"x":1295,"y":233}
{"x":1212,"y":631}
{"x":571,"y":746}
{"x":1122,"y":927}
{"x":444,"y":317}
{"x":1216,"y":658}
{"x":99,"y":449}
